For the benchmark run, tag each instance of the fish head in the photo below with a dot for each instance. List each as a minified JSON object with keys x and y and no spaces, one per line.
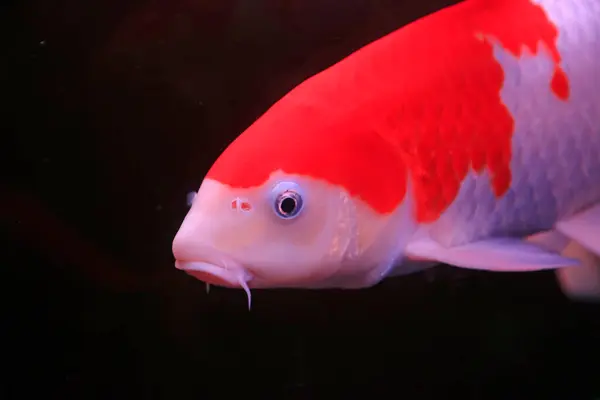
{"x":290,"y":231}
{"x":309,"y":192}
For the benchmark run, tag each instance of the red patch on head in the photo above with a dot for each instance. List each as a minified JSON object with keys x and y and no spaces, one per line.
{"x":237,"y":204}
{"x":424,"y":100}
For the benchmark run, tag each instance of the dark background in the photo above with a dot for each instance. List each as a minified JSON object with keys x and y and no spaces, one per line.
{"x":111,"y":112}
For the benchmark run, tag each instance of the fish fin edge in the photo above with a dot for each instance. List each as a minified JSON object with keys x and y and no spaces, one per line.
{"x":580,"y":284}
{"x":498,"y":254}
{"x":584,"y":228}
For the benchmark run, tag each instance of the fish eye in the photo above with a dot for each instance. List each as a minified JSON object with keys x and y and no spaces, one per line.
{"x":288,"y":202}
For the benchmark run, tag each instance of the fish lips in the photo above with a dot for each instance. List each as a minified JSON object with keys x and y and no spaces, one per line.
{"x":214,"y":274}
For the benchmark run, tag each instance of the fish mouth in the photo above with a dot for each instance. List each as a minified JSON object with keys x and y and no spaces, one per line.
{"x":225,"y":274}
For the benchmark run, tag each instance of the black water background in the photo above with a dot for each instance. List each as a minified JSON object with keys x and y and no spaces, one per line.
{"x":111,"y":112}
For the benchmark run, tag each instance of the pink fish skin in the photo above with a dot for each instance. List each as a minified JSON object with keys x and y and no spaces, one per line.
{"x":470,"y":137}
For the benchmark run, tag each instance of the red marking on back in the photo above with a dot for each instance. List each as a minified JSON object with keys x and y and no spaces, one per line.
{"x":560,"y":84}
{"x":424,"y":100}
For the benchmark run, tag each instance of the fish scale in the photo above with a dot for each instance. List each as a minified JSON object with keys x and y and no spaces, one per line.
{"x":554,"y":140}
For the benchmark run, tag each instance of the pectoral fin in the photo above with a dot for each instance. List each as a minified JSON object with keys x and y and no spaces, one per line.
{"x":584,"y":228}
{"x":502,"y":254}
{"x":582,"y":283}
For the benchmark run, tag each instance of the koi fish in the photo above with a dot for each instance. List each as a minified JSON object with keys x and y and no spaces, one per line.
{"x":469,"y":137}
